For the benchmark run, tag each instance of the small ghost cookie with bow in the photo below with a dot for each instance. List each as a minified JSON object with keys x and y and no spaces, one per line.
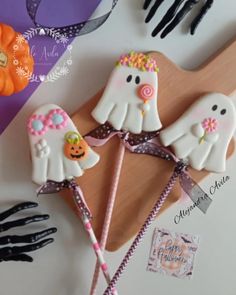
{"x":203,"y":133}
{"x":58,"y":150}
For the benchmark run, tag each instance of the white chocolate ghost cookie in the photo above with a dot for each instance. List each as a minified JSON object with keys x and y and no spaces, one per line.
{"x":203,"y":133}
{"x":58,"y":151}
{"x":129,"y":101}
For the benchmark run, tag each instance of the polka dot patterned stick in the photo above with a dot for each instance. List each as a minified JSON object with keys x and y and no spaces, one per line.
{"x":52,"y":187}
{"x":108,"y":216}
{"x":98,"y":137}
{"x":129,"y":106}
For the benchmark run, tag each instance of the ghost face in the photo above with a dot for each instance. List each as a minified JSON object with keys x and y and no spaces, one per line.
{"x":129,"y":101}
{"x":202,"y":134}
{"x":58,"y":151}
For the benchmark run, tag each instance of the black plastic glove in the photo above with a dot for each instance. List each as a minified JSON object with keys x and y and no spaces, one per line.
{"x":17,"y":253}
{"x":175,"y":15}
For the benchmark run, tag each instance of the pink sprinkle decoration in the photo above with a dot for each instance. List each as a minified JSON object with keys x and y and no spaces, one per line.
{"x":210,"y":125}
{"x":140,"y":61}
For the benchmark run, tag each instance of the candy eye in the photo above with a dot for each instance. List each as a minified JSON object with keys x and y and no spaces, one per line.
{"x":223,"y":112}
{"x":57,"y":119}
{"x":137,"y":80}
{"x":129,"y":78}
{"x":37,"y":125}
{"x":214,"y":108}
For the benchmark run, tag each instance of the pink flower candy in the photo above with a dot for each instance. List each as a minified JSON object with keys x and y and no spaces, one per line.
{"x":210,"y":125}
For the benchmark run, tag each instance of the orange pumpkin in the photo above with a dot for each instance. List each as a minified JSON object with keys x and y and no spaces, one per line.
{"x":75,"y":147}
{"x":14,"y":55}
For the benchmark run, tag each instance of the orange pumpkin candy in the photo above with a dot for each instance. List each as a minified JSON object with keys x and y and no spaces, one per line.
{"x":75,"y":147}
{"x":76,"y":151}
{"x":13,"y":54}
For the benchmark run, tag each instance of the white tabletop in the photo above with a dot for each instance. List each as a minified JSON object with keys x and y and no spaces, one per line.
{"x":66,"y":267}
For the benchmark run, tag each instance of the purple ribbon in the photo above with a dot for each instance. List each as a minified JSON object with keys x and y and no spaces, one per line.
{"x":147,"y":143}
{"x":24,"y":17}
{"x":51,"y":187}
{"x":72,"y":30}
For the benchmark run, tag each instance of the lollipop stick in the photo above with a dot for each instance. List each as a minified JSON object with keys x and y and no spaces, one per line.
{"x":152,"y":215}
{"x":98,"y":252}
{"x":109,"y":211}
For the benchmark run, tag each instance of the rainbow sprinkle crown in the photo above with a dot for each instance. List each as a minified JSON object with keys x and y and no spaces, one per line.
{"x":140,"y":61}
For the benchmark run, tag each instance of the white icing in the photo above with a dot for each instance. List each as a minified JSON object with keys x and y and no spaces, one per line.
{"x":190,"y":141}
{"x":121,"y":106}
{"x":145,"y":107}
{"x":197,"y":130}
{"x":47,"y":153}
{"x":42,"y":149}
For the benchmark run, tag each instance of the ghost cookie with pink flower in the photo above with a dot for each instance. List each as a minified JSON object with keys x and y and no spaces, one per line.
{"x":203,"y":133}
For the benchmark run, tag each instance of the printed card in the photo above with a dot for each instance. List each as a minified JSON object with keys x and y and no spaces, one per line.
{"x":173,"y":253}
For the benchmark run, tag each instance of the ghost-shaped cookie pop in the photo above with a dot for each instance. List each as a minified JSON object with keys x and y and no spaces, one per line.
{"x":58,"y":151}
{"x":59,"y":154}
{"x":129,"y":101}
{"x":203,"y":133}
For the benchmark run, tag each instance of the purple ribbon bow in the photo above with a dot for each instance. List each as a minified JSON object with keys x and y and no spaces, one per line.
{"x":147,"y":143}
{"x":72,"y":30}
{"x":189,"y":186}
{"x":51,"y":187}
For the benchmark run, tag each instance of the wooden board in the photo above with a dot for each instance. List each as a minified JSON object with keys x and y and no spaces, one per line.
{"x":143,"y":177}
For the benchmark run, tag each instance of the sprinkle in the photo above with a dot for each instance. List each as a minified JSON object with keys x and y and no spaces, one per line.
{"x":140,"y":61}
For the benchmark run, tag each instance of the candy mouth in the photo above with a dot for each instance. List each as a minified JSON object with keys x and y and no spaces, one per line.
{"x":3,"y":59}
{"x":77,"y":156}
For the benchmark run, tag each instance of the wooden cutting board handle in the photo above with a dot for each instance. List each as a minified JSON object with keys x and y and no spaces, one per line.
{"x":143,"y":177}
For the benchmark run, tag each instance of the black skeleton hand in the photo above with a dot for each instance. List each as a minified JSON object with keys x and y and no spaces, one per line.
{"x":175,"y":15}
{"x":30,"y":242}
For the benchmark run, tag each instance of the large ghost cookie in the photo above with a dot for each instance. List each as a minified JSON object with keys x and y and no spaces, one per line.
{"x":129,"y":101}
{"x":203,"y":133}
{"x":58,"y":151}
